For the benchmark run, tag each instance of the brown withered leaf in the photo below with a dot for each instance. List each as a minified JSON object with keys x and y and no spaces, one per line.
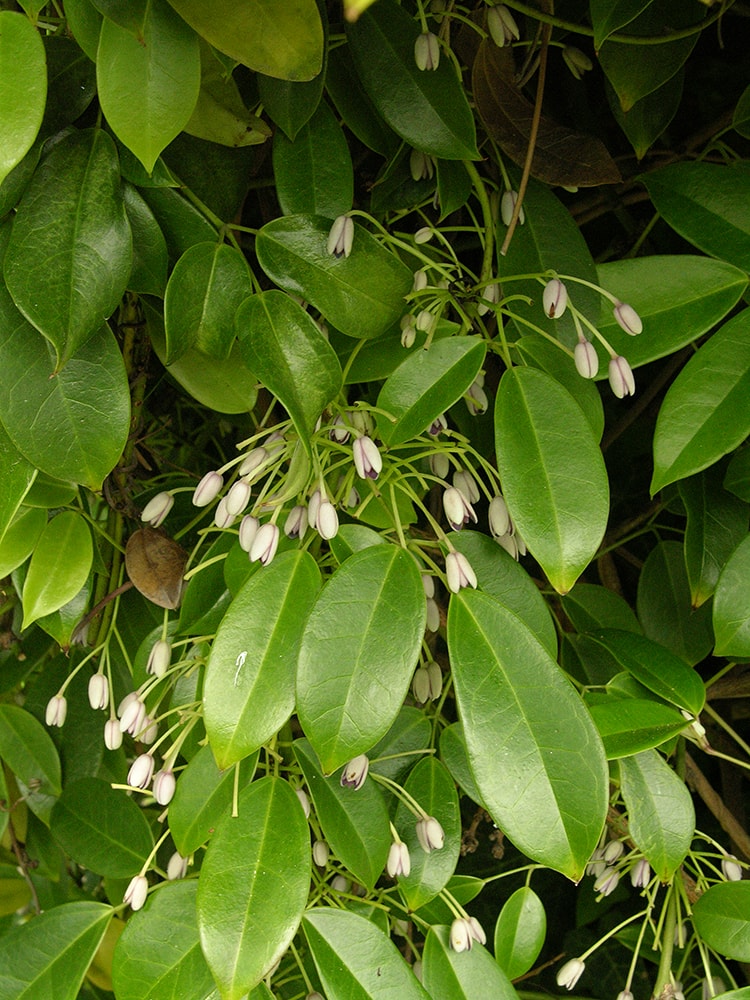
{"x":562,"y":156}
{"x":156,"y":564}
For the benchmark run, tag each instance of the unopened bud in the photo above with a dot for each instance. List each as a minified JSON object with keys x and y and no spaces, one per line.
{"x":427,"y":51}
{"x":341,"y":237}
{"x":208,"y":489}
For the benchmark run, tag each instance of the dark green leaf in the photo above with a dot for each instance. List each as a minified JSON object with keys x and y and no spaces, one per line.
{"x":450,"y":975}
{"x":30,"y":754}
{"x":648,"y":118}
{"x":590,"y":607}
{"x":519,"y":932}
{"x":629,"y":725}
{"x":23,"y":88}
{"x":721,"y":919}
{"x":149,"y":273}
{"x":59,"y":566}
{"x":731,"y":614}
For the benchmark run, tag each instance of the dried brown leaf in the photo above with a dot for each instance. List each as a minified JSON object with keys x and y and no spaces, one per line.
{"x":156,"y":564}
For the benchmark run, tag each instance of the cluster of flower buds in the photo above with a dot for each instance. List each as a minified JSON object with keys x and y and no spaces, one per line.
{"x":135,"y":720}
{"x":608,"y":864}
{"x":464,"y":932}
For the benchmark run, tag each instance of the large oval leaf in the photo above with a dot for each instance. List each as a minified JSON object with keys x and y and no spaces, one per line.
{"x":519,"y":932}
{"x":543,"y":775}
{"x":731,"y":613}
{"x":74,"y":205}
{"x":721,"y":918}
{"x":552,"y":472}
{"x":450,"y":975}
{"x":359,"y":650}
{"x":361,"y":295}
{"x":253,"y":886}
{"x":248,"y":692}
{"x":59,"y":566}
{"x":23,"y":88}
{"x":630,"y":725}
{"x":27,"y":749}
{"x":289,"y":354}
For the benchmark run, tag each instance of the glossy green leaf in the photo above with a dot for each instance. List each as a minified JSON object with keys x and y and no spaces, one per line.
{"x":148,"y":85}
{"x":353,"y":537}
{"x":354,"y":823}
{"x":664,"y":605}
{"x":453,"y":186}
{"x":463,"y":888}
{"x":499,"y":575}
{"x":731,"y":612}
{"x":249,"y":687}
{"x":522,"y":759}
{"x":149,"y":272}
{"x":23,"y":88}
{"x":608,"y":17}
{"x":101,"y":828}
{"x":253,"y":887}
{"x":381,"y":356}
{"x":737,"y":478}
{"x":59,"y":565}
{"x":396,"y":753}
{"x":590,"y":607}
{"x":85,"y":23}
{"x":21,"y":537}
{"x":552,"y":473}
{"x":202,"y":797}
{"x":361,"y":295}
{"x":16,"y":477}
{"x":355,"y":107}
{"x":28,"y":751}
{"x":721,"y":919}
{"x":74,"y":205}
{"x":180,"y":222}
{"x":207,"y":597}
{"x":704,"y":414}
{"x":314,"y":173}
{"x":661,"y":817}
{"x":355,"y":959}
{"x":130,"y":14}
{"x":281,"y":343}
{"x":71,"y":83}
{"x":427,"y":108}
{"x":359,"y":650}
{"x":430,"y":784}
{"x":649,"y":117}
{"x":630,"y":725}
{"x":220,"y":114}
{"x":519,"y":932}
{"x":455,"y":756}
{"x":158,"y":956}
{"x":707,"y":204}
{"x":48,"y":956}
{"x":426,"y":384}
{"x":451,"y":975}
{"x":290,"y":105}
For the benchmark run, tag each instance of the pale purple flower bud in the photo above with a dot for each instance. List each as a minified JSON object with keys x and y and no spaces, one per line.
{"x":427,"y":51}
{"x":438,"y":425}
{"x":461,"y":938}
{"x":613,"y":851}
{"x":498,"y":517}
{"x":340,"y":883}
{"x":502,"y":25}
{"x":149,"y":730}
{"x":458,"y":572}
{"x":490,"y":297}
{"x":248,"y":531}
{"x":440,"y":465}
{"x":238,"y":497}
{"x":477,"y":931}
{"x":458,"y":510}
{"x":420,"y":685}
{"x":132,"y":716}
{"x":222,"y":515}
{"x":640,"y":874}
{"x":296,"y":522}
{"x":339,"y":432}
{"x":466,"y":484}
{"x":264,"y":544}
{"x":157,"y":509}
{"x":112,"y":735}
{"x":164,"y":787}
{"x":577,"y":62}
{"x":621,"y":377}
{"x":507,"y":204}
{"x":476,"y":399}
{"x":430,"y":834}
{"x":586,"y":359}
{"x":327,"y":521}
{"x":320,"y":853}
{"x":428,"y":585}
{"x":57,"y":709}
{"x":424,"y":235}
{"x":354,"y":773}
{"x":433,"y":615}
{"x":628,"y":319}
{"x":341,"y":237}
{"x":176,"y":867}
{"x":555,"y":298}
{"x":208,"y":489}
{"x":607,"y":881}
{"x":304,"y":801}
{"x":399,"y":862}
{"x":367,"y":459}
{"x":98,"y":691}
{"x":136,"y":892}
{"x":569,"y":974}
{"x":253,"y":461}
{"x":731,"y":868}
{"x":421,"y":165}
{"x":352,"y":498}
{"x":159,"y":657}
{"x":141,"y":771}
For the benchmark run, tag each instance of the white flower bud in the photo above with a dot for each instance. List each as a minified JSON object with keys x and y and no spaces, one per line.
{"x":466,"y":484}
{"x":136,"y":892}
{"x":238,"y":497}
{"x":98,"y":691}
{"x":430,"y":834}
{"x":303,"y":800}
{"x":490,"y":297}
{"x":570,"y":973}
{"x":640,"y":874}
{"x":555,"y":298}
{"x":477,"y":931}
{"x":208,"y":489}
{"x":421,"y":165}
{"x":428,"y":585}
{"x":577,"y":62}
{"x":440,"y":465}
{"x":498,"y":517}
{"x":408,"y":336}
{"x":435,"y":675}
{"x":367,"y":459}
{"x":320,"y":853}
{"x":621,"y":377}
{"x":433,"y":615}
{"x":131,"y":718}
{"x":354,"y":773}
{"x":502,"y":25}
{"x":458,"y":510}
{"x":476,"y":399}
{"x":628,"y":319}
{"x":141,"y":770}
{"x":339,"y":432}
{"x":159,"y":657}
{"x":458,"y":572}
{"x":223,"y":517}
{"x":57,"y":710}
{"x":427,"y":51}
{"x":607,"y":881}
{"x":295,"y":525}
{"x":313,"y":506}
{"x":731,"y":868}
{"x":327,"y":521}
{"x":341,"y":237}
{"x":248,"y":530}
{"x":399,"y":862}
{"x":149,"y":730}
{"x":164,"y":786}
{"x":340,"y":884}
{"x":176,"y":867}
{"x":438,"y":425}
{"x":157,"y":509}
{"x":586,"y":359}
{"x":425,"y":320}
{"x":264,"y":544}
{"x":112,"y":734}
{"x":613,"y":851}
{"x":507,"y":204}
{"x":461,"y":938}
{"x":424,"y":235}
{"x":420,"y":280}
{"x":420,"y":685}
{"x":253,"y":461}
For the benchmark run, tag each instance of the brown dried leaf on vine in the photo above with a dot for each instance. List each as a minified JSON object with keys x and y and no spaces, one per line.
{"x":156,"y":565}
{"x":561,"y":156}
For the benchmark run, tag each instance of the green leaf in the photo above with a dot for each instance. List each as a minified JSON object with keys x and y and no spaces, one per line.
{"x":429,"y":784}
{"x":522,"y":759}
{"x":48,"y":956}
{"x":380,"y":357}
{"x":202,"y":797}
{"x":359,"y":650}
{"x":394,"y":755}
{"x":101,"y":828}
{"x":708,"y":205}
{"x":590,"y":607}
{"x":207,"y":596}
{"x":654,"y":666}
{"x":288,"y":104}
{"x":148,"y":85}
{"x":455,"y":756}
{"x":721,"y":919}
{"x":361,"y":295}
{"x":661,"y":817}
{"x":74,"y":205}
{"x":71,"y":83}
{"x":426,"y":384}
{"x":519,"y":932}
{"x":314,"y":173}
{"x":354,"y":823}
{"x":355,"y":959}
{"x":552,"y":473}
{"x":737,"y":478}
{"x":85,"y":22}
{"x":249,"y":688}
{"x":608,"y":17}
{"x":741,"y":116}
{"x":180,"y":222}
{"x":28,"y":750}
{"x":704,"y":414}
{"x":253,"y":887}
{"x":16,"y":477}
{"x":23,"y":88}
{"x":629,"y":725}
{"x":158,"y":956}
{"x":130,"y":14}
{"x":450,"y":975}
{"x":220,"y":114}
{"x":21,"y":537}
{"x":649,"y":117}
{"x":59,"y":566}
{"x":204,"y":291}
{"x":282,"y":345}
{"x":427,"y":108}
{"x":279,"y":40}
{"x":731,"y":613}
{"x":352,"y":103}
{"x":149,"y":273}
